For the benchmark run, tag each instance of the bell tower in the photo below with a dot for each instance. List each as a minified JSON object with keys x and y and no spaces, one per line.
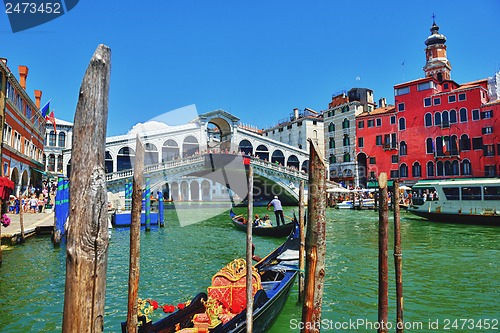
{"x":437,"y":64}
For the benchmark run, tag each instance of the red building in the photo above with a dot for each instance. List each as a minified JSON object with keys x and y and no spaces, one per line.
{"x":23,"y":131}
{"x":438,"y":127}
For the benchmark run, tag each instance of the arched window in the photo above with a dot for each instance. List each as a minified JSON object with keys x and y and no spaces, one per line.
{"x":428,"y":119}
{"x":331,"y":127}
{"x":416,"y":170}
{"x":346,"y":141}
{"x":453,"y":116}
{"x":108,"y":162}
{"x":464,"y":142}
{"x":455,"y":169}
{"x":62,"y":140}
{"x":52,"y":139}
{"x":403,"y":151}
{"x":170,"y":150}
{"x":190,"y":146}
{"x":430,"y":169}
{"x":246,"y":147}
{"x":445,"y":119}
{"x":440,"y":168}
{"x":403,"y":171}
{"x":278,"y":157}
{"x":437,"y":119}
{"x":466,"y":168}
{"x":332,"y":159}
{"x":125,"y":159}
{"x":402,"y":124}
{"x":262,"y":152}
{"x":447,"y":168}
{"x":347,"y":157}
{"x":345,"y":123}
{"x":331,"y":144}
{"x":52,"y":163}
{"x":463,"y":115}
{"x":453,"y":145}
{"x":150,"y":154}
{"x":59,"y":163}
{"x":429,"y":144}
{"x":293,"y":162}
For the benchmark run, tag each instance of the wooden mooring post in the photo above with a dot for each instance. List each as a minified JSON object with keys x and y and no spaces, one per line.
{"x":302,"y":242}
{"x":21,"y":224}
{"x":398,"y":260}
{"x":383,"y":222}
{"x":315,"y":242}
{"x":87,"y":233}
{"x":249,"y":252}
{"x":135,"y":238}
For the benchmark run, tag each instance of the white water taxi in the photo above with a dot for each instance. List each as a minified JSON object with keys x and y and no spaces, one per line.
{"x":467,"y":200}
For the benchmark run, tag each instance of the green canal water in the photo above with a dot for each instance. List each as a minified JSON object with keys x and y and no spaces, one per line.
{"x":451,"y":273}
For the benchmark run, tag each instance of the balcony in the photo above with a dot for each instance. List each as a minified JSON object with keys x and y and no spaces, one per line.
{"x":390,"y":146}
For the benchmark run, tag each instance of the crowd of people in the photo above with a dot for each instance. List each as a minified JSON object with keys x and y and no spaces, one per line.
{"x":33,"y":200}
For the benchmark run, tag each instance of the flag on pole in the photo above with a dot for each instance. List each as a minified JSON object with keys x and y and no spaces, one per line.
{"x":45,"y":109}
{"x":445,"y":149}
{"x":52,"y":119}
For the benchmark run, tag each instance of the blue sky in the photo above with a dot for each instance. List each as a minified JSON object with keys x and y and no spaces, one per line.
{"x":256,"y":59}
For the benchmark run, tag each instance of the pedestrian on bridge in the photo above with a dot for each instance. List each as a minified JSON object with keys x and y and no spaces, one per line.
{"x":278,"y":210}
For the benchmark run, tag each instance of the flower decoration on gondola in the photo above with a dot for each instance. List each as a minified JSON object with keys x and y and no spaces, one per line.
{"x":5,"y":220}
{"x":146,"y":307}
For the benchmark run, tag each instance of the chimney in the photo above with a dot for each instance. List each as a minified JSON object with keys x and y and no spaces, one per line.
{"x":382,"y":103}
{"x":38,"y":97}
{"x":23,"y":75}
{"x":295,"y":114}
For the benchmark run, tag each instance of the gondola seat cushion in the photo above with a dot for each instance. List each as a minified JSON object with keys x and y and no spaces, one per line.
{"x":227,"y":294}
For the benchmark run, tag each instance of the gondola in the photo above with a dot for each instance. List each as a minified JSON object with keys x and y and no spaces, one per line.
{"x":279,"y":231}
{"x":273,"y":278}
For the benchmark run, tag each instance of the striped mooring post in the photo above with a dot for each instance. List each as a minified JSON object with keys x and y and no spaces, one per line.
{"x":161,"y":207}
{"x":61,"y":209}
{"x":128,"y":196}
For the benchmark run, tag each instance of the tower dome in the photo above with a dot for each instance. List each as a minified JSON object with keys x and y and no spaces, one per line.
{"x":435,"y":37}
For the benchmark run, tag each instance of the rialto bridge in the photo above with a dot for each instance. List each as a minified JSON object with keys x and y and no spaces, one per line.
{"x":202,"y":160}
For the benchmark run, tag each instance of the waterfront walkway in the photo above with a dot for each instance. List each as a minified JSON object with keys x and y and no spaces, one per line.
{"x":33,"y":223}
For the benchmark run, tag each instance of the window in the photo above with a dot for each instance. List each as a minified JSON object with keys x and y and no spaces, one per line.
{"x":427,"y":101}
{"x":491,"y":192}
{"x":346,"y":141}
{"x":430,"y":169}
{"x":424,"y":86}
{"x":17,"y":141}
{"x":428,"y":119}
{"x":490,"y":171}
{"x":453,"y":116}
{"x":402,"y":124}
{"x":445,"y":120}
{"x":403,"y":171}
{"x":347,"y":157}
{"x":416,"y":170}
{"x":461,"y":97}
{"x":437,"y":101}
{"x":477,"y":143}
{"x":371,"y":122}
{"x":393,"y":120}
{"x":402,"y":91}
{"x":394,"y":173}
{"x":403,"y":151}
{"x":394,"y":159}
{"x":471,"y":193}
{"x":332,"y":159}
{"x":372,"y":160}
{"x":463,"y":115}
{"x":345,"y":123}
{"x":452,"y":98}
{"x":331,"y":143}
{"x":345,"y":109}
{"x":475,"y":114}
{"x":445,"y":86}
{"x":379,"y":122}
{"x":62,"y":140}
{"x":361,"y":142}
{"x":361,"y":124}
{"x":7,"y":134}
{"x":437,"y":118}
{"x":466,"y":168}
{"x":487,"y":114}
{"x":429,"y":144}
{"x":489,"y":150}
{"x":378,"y":140}
{"x":52,"y":163}
{"x":487,"y":130}
{"x":401,"y":106}
{"x":464,"y":142}
{"x":451,"y":193}
{"x":331,"y":127}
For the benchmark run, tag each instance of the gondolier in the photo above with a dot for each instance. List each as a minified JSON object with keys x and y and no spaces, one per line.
{"x":278,"y":210}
